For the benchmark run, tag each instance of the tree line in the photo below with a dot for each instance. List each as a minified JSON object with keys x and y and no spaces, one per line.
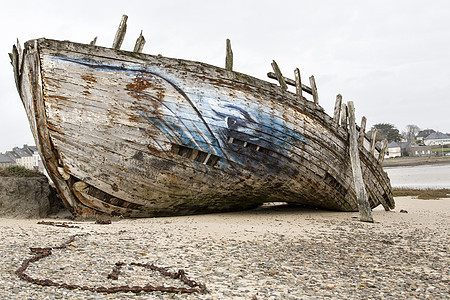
{"x":392,"y":134}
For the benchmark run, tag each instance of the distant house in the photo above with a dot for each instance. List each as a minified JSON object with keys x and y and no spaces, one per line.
{"x":437,"y":138}
{"x":14,"y":156}
{"x":5,"y":161}
{"x":37,"y":161}
{"x":404,"y":148}
{"x":415,"y":149}
{"x":423,"y":134}
{"x":393,"y":150}
{"x":27,"y":157}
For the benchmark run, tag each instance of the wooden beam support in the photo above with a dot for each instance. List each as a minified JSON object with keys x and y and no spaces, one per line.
{"x":291,"y":82}
{"x":362,"y":130}
{"x":298,"y":83}
{"x":373,"y":141}
{"x":384,"y":144}
{"x":229,"y":57}
{"x":312,"y":82}
{"x":344,"y":116}
{"x":365,"y":212}
{"x":140,"y":42}
{"x":120,"y":34}
{"x":337,"y":109}
{"x":279,"y":76}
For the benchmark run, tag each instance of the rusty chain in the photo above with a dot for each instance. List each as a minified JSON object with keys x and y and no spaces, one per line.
{"x":40,"y":253}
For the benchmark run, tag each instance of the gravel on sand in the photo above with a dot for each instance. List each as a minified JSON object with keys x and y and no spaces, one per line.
{"x":273,"y":252}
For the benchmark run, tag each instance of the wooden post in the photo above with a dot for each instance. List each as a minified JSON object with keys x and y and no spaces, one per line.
{"x":92,"y":43}
{"x":373,"y":141}
{"x":229,"y":57}
{"x":337,"y":109}
{"x":362,"y":130}
{"x":312,"y":81}
{"x":365,"y":212}
{"x":140,"y":42}
{"x":344,"y":116}
{"x":279,"y":76}
{"x":120,"y":34}
{"x":298,"y":83}
{"x":384,"y":144}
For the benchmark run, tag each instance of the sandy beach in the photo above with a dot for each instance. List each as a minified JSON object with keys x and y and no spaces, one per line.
{"x":273,"y":252}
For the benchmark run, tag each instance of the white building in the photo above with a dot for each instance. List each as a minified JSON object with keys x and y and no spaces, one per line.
{"x":437,"y":138}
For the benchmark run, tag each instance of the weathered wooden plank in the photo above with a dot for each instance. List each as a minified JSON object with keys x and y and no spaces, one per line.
{"x":14,"y":56}
{"x":373,"y":141}
{"x":232,"y":101}
{"x":344,"y":116}
{"x":229,"y":57}
{"x":315,"y":95}
{"x":298,"y":83}
{"x":362,"y":130}
{"x":290,"y":82}
{"x":120,"y":34}
{"x":33,"y":101}
{"x":140,"y":42}
{"x":365,"y":212}
{"x":279,"y":76}
{"x":337,"y":109}
{"x":382,"y":153}
{"x":166,"y":67}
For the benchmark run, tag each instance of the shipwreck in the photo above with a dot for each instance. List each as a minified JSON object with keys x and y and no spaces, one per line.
{"x":137,"y":135}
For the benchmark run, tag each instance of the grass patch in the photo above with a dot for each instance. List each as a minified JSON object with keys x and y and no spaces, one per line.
{"x":19,"y":171}
{"x":425,"y":194}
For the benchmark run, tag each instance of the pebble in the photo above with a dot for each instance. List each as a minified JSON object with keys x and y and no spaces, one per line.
{"x":338,"y":259}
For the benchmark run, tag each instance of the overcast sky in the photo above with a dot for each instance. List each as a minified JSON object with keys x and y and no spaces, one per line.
{"x":392,"y":58}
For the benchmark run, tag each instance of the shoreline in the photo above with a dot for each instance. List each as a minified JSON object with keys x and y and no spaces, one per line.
{"x":415,"y":161}
{"x":272,"y":252}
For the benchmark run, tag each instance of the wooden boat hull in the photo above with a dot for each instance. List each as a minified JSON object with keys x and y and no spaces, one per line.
{"x":136,"y":135}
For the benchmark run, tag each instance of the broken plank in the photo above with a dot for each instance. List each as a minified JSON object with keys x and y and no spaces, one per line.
{"x":140,"y":42}
{"x":298,"y":83}
{"x":362,"y":130}
{"x":279,"y":76}
{"x":120,"y":34}
{"x":365,"y":212}
{"x":229,"y":57}
{"x":315,"y":95}
{"x":337,"y":109}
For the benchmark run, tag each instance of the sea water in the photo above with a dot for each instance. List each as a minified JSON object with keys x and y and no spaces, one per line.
{"x":423,"y":176}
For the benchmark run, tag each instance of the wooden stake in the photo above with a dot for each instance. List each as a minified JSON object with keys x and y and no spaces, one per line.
{"x":298,"y":83}
{"x":120,"y":34}
{"x":373,"y":141}
{"x":92,"y":43}
{"x":337,"y":109}
{"x":312,"y":81}
{"x":280,"y":77}
{"x":365,"y":212}
{"x":344,"y":116}
{"x":384,"y":144}
{"x":229,"y":57}
{"x":362,"y":130}
{"x":140,"y":42}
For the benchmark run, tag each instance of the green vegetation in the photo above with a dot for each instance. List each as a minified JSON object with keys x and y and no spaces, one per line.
{"x":19,"y":171}
{"x":386,"y":131}
{"x":425,"y":194}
